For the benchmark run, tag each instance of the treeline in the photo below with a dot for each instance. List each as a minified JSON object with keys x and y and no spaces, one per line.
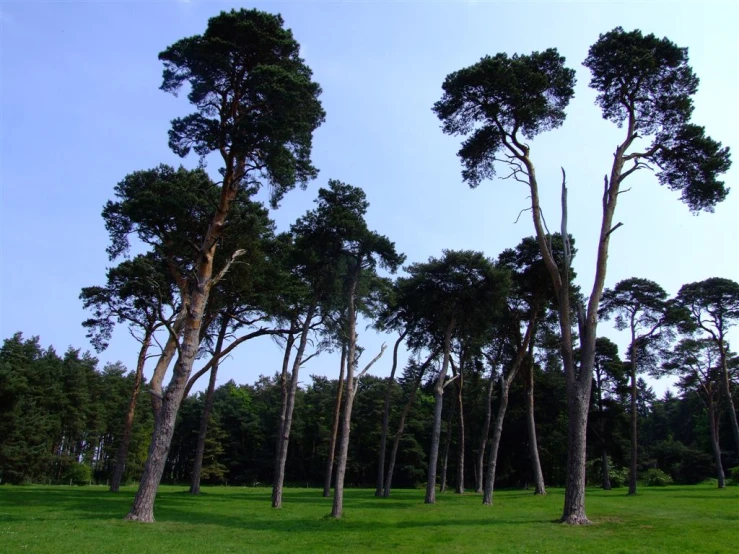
{"x":62,"y":417}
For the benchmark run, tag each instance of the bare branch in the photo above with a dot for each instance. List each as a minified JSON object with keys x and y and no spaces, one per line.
{"x":521,"y":213}
{"x":619,"y":224}
{"x":372,"y":362}
{"x":225,"y":268}
{"x":450,"y":381}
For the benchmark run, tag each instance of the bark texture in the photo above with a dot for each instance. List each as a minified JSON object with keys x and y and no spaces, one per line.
{"x":539,"y":487}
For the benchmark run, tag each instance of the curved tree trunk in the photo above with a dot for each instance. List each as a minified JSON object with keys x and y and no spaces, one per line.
{"x":284,"y":438}
{"x":401,"y":425}
{"x":335,"y":426}
{"x":445,"y":458}
{"x":726,"y":389}
{"x":197,"y":467}
{"x":160,"y":370}
{"x":436,"y":432}
{"x":386,"y":418}
{"x":539,"y":487}
{"x":122,"y":454}
{"x":713,"y":428}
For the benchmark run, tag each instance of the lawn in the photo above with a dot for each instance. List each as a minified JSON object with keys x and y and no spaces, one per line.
{"x":231,"y":519}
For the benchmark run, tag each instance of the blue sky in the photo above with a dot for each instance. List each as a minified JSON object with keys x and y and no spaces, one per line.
{"x":81,"y":108}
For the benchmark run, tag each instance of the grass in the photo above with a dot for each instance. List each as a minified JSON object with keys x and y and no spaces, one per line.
{"x":231,"y":519}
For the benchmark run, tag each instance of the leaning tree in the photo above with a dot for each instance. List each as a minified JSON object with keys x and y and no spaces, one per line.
{"x":645,"y":86}
{"x":256,"y":107}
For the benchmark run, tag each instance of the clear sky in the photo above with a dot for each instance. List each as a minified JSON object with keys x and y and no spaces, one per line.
{"x":81,"y":109}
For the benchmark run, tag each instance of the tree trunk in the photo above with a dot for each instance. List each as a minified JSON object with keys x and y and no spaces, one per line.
{"x":574,"y":507}
{"x":539,"y":487}
{"x":460,"y":419}
{"x":445,"y":458}
{"x":337,"y":509}
{"x":436,"y":432}
{"x":122,"y":454}
{"x":401,"y":425}
{"x":284,"y":438}
{"x":160,"y":370}
{"x":487,"y":496}
{"x":335,"y":426}
{"x":605,"y":470}
{"x":386,"y":418}
{"x":485,"y":434}
{"x":289,"y":343}
{"x":634,"y":420}
{"x":197,"y":468}
{"x":713,"y":427}
{"x":726,"y":389}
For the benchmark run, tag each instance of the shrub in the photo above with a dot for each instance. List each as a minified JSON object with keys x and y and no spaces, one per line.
{"x":733,"y":474}
{"x":656,"y":478}
{"x":78,"y":474}
{"x":618,"y":476}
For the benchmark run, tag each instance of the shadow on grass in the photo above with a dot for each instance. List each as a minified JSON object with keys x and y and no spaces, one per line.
{"x":250,"y":511}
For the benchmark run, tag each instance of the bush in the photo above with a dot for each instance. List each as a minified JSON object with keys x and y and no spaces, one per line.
{"x":78,"y":474}
{"x":618,"y":476}
{"x":685,"y":465}
{"x":733,"y":474}
{"x":656,"y":478}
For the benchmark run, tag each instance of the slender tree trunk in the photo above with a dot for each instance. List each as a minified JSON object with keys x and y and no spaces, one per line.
{"x":448,"y":442}
{"x":436,"y":432}
{"x":160,"y":370}
{"x":539,"y":487}
{"x":122,"y":454}
{"x":197,"y":468}
{"x":338,"y":504}
{"x":386,"y":417}
{"x":487,"y":496}
{"x":713,"y":427}
{"x":284,"y":437}
{"x":634,"y":420}
{"x":605,"y":470}
{"x":334,"y":426}
{"x":726,"y":389}
{"x":460,"y":419}
{"x":401,"y":425}
{"x":485,"y":434}
{"x":284,"y":375}
{"x":574,"y":507}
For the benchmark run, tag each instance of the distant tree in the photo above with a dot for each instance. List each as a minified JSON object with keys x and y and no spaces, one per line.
{"x":639,"y":305}
{"x":644,"y":85}
{"x":697,"y":362}
{"x":608,"y":373}
{"x":712,"y":307}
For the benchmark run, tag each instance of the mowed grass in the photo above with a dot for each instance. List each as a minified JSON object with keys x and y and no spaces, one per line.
{"x":232,"y":519}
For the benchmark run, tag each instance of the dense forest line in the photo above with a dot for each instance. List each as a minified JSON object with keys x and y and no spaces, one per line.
{"x":61,"y":422}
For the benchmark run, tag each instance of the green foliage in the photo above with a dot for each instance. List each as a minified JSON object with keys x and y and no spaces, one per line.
{"x":78,"y":474}
{"x":255,"y":102}
{"x":499,"y":96}
{"x":617,"y":475}
{"x":684,"y":464}
{"x":656,"y":478}
{"x":733,"y":474}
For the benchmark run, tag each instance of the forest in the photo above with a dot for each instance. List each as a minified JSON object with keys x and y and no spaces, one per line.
{"x":510,"y":380}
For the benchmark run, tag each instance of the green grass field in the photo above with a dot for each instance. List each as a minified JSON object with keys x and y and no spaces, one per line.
{"x":90,"y":519}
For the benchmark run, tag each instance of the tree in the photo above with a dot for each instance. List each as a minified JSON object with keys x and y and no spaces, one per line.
{"x":138,"y":293}
{"x":697,"y":362}
{"x":608,"y":375}
{"x":645,"y":86}
{"x":455,"y":295}
{"x":255,"y":106}
{"x":364,"y":251}
{"x":640,"y":305}
{"x":712,"y":306}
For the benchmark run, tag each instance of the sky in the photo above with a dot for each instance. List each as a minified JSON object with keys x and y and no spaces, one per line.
{"x":80,"y":108}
